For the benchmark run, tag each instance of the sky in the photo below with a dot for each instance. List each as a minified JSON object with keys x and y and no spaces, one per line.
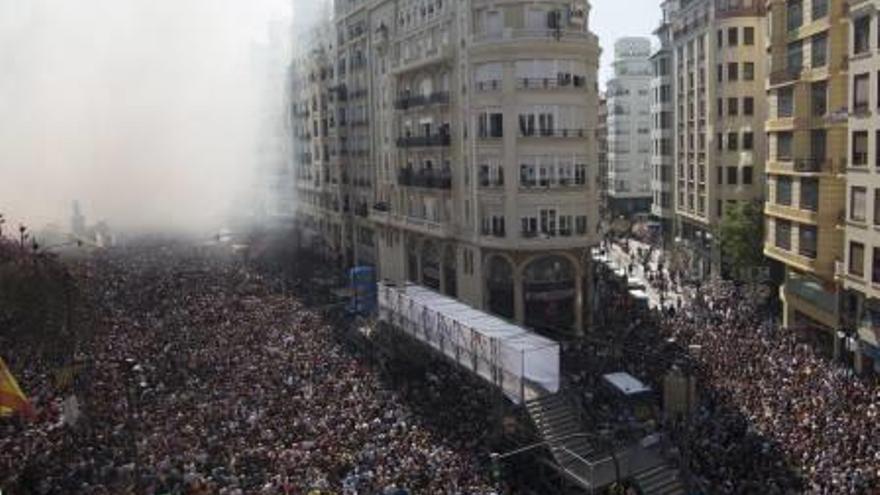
{"x":613,"y":19}
{"x":149,"y":112}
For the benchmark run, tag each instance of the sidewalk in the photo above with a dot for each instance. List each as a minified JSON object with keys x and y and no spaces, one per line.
{"x":671,"y":297}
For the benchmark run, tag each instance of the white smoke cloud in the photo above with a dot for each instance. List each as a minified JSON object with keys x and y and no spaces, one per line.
{"x":150,"y":112}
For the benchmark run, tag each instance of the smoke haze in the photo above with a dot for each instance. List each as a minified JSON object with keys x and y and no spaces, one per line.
{"x":150,"y":112}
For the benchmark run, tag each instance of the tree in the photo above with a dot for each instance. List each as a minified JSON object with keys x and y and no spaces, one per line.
{"x":741,"y":236}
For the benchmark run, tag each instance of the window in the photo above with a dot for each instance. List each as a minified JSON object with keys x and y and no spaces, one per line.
{"x":819,"y":55}
{"x":548,"y":222}
{"x":861,"y":35}
{"x":529,"y":226}
{"x":876,"y":206}
{"x":857,"y":197}
{"x":860,"y":93}
{"x":732,"y":71}
{"x":720,"y":107}
{"x":794,"y":57}
{"x":860,"y":148}
{"x":784,"y":102}
{"x":748,"y":71}
{"x":748,"y":141}
{"x":732,"y":36}
{"x":876,"y":151}
{"x":719,"y":176}
{"x":820,"y":9}
{"x":731,"y":176}
{"x":748,"y":36}
{"x":809,"y":194}
{"x":720,"y":72}
{"x":784,"y":144}
{"x":732,"y":107}
{"x":748,"y":106}
{"x":580,"y":224}
{"x":720,"y":38}
{"x":747,"y":175}
{"x":719,"y":140}
{"x":795,"y":11}
{"x":783,"y":234}
{"x":818,"y":148}
{"x":783,"y":190}
{"x":857,"y":259}
{"x":491,"y":125}
{"x":732,"y":141}
{"x":819,"y":98}
{"x":807,"y":244}
{"x":875,"y":266}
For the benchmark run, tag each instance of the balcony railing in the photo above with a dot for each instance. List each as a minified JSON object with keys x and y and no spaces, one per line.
{"x":433,"y":179}
{"x":414,"y":141}
{"x":561,"y":81}
{"x":490,"y":85}
{"x":560,"y":133}
{"x":548,"y":34}
{"x":785,"y":75}
{"x":491,"y":181}
{"x":404,"y":102}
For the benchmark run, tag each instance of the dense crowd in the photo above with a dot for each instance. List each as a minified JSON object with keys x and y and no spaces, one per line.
{"x":824,"y":419}
{"x":199,"y":380}
{"x":774,"y":416}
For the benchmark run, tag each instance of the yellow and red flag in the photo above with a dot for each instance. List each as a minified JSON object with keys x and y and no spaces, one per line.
{"x":12,"y":399}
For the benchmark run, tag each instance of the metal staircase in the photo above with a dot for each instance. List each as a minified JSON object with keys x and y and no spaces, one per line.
{"x":575,"y":454}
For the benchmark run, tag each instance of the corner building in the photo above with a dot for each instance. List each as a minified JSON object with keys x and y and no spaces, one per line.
{"x":453,"y":144}
{"x":482,"y":161}
{"x":718,"y":62}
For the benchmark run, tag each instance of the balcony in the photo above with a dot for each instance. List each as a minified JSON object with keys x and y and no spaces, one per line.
{"x":424,"y":141}
{"x":486,"y":182}
{"x":558,"y":133}
{"x":785,"y":76}
{"x":561,"y":81}
{"x":722,"y":11}
{"x":549,"y":34}
{"x":427,"y":178}
{"x":490,"y":85}
{"x":405,"y":102}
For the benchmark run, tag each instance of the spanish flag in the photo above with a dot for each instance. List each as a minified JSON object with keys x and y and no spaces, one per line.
{"x":12,"y":399}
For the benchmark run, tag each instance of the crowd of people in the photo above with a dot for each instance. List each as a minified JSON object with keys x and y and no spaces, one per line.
{"x":199,"y":380}
{"x":773,"y":415}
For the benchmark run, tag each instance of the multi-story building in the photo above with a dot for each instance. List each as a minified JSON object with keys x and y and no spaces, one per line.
{"x":719,"y":64}
{"x":602,"y":152}
{"x":629,"y":128}
{"x":662,"y":128}
{"x":323,"y":203}
{"x":860,"y":274}
{"x":807,"y":132}
{"x":466,"y":132}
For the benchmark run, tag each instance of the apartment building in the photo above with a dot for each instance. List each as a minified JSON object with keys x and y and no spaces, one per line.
{"x":860,"y":272}
{"x":806,"y":169}
{"x":323,"y":201}
{"x":718,"y":53}
{"x":663,"y":127}
{"x":466,"y":132}
{"x":629,"y":128}
{"x":602,"y":151}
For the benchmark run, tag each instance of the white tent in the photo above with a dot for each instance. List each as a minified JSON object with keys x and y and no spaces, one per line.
{"x":519,"y":362}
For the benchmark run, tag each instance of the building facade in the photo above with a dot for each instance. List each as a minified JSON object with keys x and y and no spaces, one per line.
{"x":663,"y":128}
{"x":860,"y":273}
{"x":629,"y":128}
{"x":466,"y":132}
{"x":807,"y":131}
{"x":718,"y":52}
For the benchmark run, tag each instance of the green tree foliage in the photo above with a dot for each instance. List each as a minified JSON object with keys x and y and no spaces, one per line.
{"x":741,"y":235}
